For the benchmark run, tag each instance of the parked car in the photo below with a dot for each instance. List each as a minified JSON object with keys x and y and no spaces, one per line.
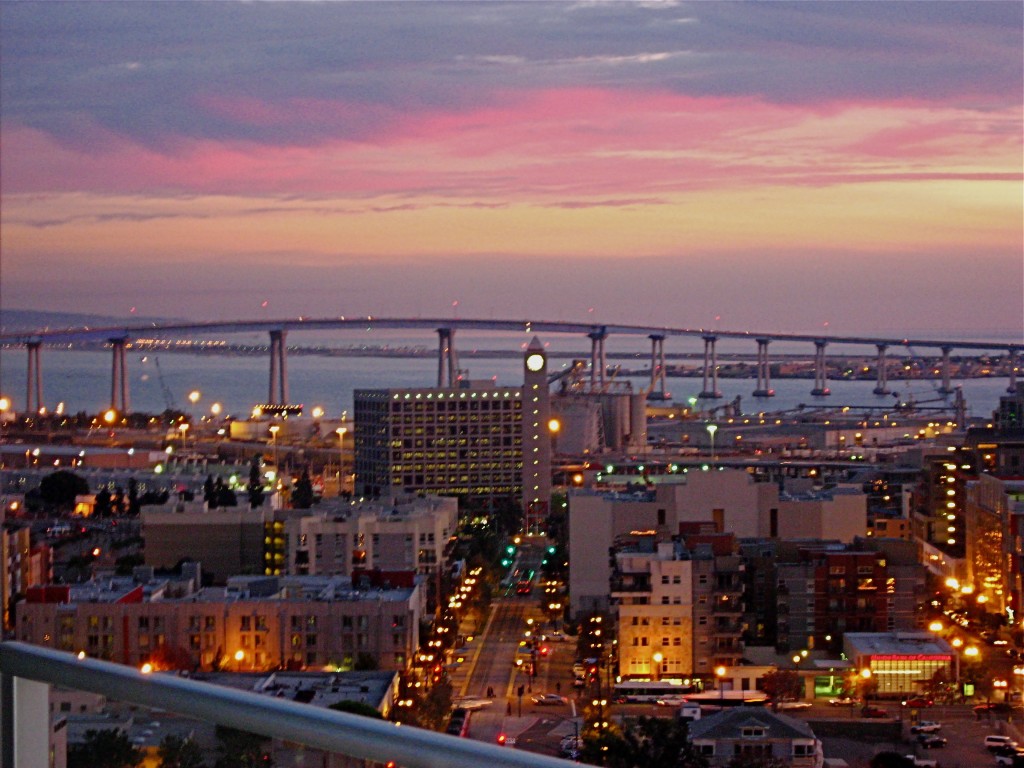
{"x":791,"y":705}
{"x":919,"y":702}
{"x":1013,"y":758}
{"x":842,"y":701}
{"x":922,"y":762}
{"x":547,"y":698}
{"x":931,"y":741}
{"x":873,"y":712}
{"x":993,"y":742}
{"x":926,"y":726}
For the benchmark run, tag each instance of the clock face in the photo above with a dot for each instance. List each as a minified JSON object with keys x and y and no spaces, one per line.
{"x":535,"y":362}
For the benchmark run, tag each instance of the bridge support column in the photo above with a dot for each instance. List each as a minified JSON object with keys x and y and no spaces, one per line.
{"x":947,"y":387}
{"x":1012,"y":358}
{"x":33,"y":379}
{"x":119,"y":378}
{"x":710,"y":369}
{"x":764,"y":376}
{"x":881,"y":371}
{"x":820,"y":371}
{"x":598,"y":363}
{"x":447,"y":358}
{"x":278,"y":390}
{"x":657,"y":368}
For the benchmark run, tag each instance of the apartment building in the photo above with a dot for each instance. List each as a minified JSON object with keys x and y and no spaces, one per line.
{"x":728,"y":500}
{"x":406,"y":533}
{"x":255,"y":623}
{"x":825,"y":590}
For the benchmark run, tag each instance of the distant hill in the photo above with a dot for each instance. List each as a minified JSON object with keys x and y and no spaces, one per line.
{"x":19,"y":320}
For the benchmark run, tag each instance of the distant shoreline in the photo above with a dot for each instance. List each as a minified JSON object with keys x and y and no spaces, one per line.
{"x":731,"y":365}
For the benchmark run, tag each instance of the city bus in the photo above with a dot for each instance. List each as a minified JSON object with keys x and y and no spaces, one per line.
{"x":713,"y":700}
{"x":638,"y":691}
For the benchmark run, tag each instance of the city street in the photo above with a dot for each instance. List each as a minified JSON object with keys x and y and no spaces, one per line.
{"x":537,"y":728}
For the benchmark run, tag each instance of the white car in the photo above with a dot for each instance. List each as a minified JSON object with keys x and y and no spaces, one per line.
{"x":472,"y":703}
{"x":547,"y":698}
{"x":791,"y":705}
{"x":926,"y":726}
{"x":922,"y":762}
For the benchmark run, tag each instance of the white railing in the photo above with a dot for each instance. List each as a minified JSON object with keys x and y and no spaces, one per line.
{"x":325,"y":729}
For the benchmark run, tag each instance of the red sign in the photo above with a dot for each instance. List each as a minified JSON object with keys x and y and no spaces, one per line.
{"x":911,"y":657}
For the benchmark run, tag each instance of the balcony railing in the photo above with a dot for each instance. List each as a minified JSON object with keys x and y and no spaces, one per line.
{"x":24,"y":714}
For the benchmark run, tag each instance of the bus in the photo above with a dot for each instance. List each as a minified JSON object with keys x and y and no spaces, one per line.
{"x":637,"y":691}
{"x":713,"y":700}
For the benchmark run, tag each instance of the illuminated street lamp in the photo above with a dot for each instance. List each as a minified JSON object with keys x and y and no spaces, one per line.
{"x":5,"y":404}
{"x":712,"y":428}
{"x":274,"y":429}
{"x":193,"y":396}
{"x":657,"y":659}
{"x":720,"y":675}
{"x":216,"y":409}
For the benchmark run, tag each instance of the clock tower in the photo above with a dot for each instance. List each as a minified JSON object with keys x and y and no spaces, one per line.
{"x":536,"y":437}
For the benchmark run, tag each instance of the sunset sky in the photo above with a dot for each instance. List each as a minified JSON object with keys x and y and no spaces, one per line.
{"x":776,"y":166}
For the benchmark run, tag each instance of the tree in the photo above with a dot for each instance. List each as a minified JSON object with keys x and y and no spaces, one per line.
{"x":125,"y":564}
{"x":176,"y":752}
{"x":102,"y":506}
{"x":302,"y":496}
{"x":224,"y":496}
{"x":645,"y":742}
{"x":60,"y":488}
{"x":209,"y":496}
{"x":104,"y":749}
{"x":133,"y":497}
{"x":167,"y":657}
{"x":241,"y":749}
{"x":782,"y":684}
{"x":255,"y":484}
{"x":434,"y":708}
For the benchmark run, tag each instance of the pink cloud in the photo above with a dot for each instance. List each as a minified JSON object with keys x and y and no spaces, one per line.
{"x":538,"y":147}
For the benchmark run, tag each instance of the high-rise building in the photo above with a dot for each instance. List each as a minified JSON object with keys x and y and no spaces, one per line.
{"x":472,"y":440}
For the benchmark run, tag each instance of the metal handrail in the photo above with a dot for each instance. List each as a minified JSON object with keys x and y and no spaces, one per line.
{"x":325,"y":729}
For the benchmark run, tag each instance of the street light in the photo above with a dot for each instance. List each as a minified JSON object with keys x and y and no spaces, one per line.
{"x":712,"y":428}
{"x":720,"y":674}
{"x":657,"y":658}
{"x":274,"y":429}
